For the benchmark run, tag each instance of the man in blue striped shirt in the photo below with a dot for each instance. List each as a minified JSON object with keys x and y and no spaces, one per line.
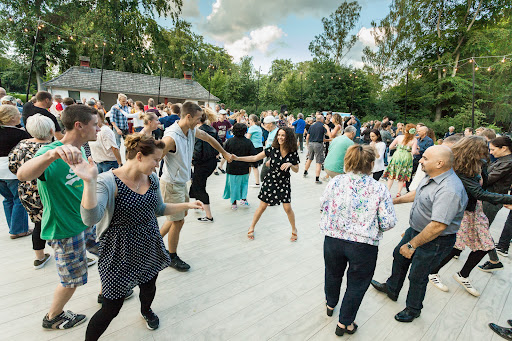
{"x":118,"y":119}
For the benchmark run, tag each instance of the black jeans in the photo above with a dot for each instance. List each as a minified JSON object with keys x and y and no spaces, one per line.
{"x":361,"y":259}
{"x":424,"y":259}
{"x":201,"y":173}
{"x":110,"y":308}
{"x":506,"y":235}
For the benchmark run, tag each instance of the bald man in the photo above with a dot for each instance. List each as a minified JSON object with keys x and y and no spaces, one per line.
{"x":439,"y":203}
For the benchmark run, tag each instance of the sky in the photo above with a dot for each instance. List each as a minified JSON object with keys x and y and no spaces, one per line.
{"x":272,"y":29}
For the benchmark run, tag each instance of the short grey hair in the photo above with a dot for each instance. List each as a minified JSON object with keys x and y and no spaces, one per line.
{"x":300,"y":116}
{"x":350,"y":130}
{"x":57,"y":96}
{"x":40,"y":127}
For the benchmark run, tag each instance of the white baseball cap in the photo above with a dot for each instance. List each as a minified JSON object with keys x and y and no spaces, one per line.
{"x":269,"y":119}
{"x":223,"y":112}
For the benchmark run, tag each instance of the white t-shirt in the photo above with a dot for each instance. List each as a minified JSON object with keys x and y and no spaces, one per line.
{"x":137,"y":122}
{"x":379,"y":163}
{"x":101,"y":149}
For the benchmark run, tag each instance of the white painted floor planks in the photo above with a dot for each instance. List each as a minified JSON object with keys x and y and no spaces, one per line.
{"x":266,"y":289}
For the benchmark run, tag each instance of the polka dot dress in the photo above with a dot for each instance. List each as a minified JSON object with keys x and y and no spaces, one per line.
{"x":131,"y":251}
{"x":276,"y":184}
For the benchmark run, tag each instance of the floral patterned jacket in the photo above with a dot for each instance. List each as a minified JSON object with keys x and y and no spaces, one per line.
{"x":357,"y":208}
{"x":27,"y":190}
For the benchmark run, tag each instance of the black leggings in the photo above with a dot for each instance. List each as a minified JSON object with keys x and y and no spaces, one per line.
{"x":110,"y":308}
{"x":473,"y":259}
{"x":378,"y":175}
{"x":201,"y":173}
{"x":37,"y":242}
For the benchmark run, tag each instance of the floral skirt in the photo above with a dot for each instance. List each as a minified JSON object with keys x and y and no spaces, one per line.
{"x":400,"y":166}
{"x":474,"y":231}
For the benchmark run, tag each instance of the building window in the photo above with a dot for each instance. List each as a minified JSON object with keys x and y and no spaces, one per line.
{"x":74,"y":95}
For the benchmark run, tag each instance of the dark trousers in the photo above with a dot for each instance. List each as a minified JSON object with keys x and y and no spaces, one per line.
{"x":424,"y":259}
{"x":361,"y":259}
{"x":37,"y":242}
{"x":506,"y":235}
{"x":201,"y":173}
{"x":300,"y":138}
{"x":110,"y":308}
{"x":415,"y":164}
{"x":473,"y":259}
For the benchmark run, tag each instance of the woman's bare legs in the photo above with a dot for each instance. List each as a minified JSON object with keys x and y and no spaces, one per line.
{"x":257,"y":215}
{"x":256,"y":174}
{"x":400,"y":186}
{"x":390,"y":184}
{"x":291,"y":217}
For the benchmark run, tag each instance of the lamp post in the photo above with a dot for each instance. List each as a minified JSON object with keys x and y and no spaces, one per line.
{"x":473,"y":100}
{"x":33,"y":58}
{"x":258,"y":91}
{"x":406,"y":93}
{"x":102,"y":66}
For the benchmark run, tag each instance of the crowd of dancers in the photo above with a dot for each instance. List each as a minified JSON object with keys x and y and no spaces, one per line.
{"x":61,"y":164}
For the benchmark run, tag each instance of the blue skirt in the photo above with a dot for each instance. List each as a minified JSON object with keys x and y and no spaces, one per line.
{"x":236,"y":187}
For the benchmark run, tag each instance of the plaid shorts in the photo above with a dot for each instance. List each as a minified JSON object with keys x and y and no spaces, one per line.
{"x":71,"y":258}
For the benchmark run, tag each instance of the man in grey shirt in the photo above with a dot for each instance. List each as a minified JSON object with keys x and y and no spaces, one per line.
{"x":436,"y":214}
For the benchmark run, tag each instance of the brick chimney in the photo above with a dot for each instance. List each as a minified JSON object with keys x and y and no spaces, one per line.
{"x":187,"y":75}
{"x":85,"y":61}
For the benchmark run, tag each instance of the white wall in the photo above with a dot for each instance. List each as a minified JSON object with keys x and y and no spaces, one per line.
{"x":83,"y":93}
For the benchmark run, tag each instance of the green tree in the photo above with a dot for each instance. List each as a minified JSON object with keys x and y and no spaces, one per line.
{"x":335,"y":41}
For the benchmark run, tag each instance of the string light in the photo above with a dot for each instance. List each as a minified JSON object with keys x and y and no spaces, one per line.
{"x":503,"y":60}
{"x":476,"y":69}
{"x":26,"y":30}
{"x":489,"y":69}
{"x":58,"y":37}
{"x":71,"y":37}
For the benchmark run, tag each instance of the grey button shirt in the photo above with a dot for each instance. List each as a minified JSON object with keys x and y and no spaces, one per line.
{"x":442,"y":199}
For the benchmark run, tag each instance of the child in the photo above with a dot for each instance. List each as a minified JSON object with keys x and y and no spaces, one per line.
{"x":237,"y":179}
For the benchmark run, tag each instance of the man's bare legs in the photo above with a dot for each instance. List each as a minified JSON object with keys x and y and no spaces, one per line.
{"x":61,"y":296}
{"x":172,"y":229}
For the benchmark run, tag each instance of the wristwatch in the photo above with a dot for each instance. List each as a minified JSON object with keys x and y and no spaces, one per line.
{"x":410,"y":247}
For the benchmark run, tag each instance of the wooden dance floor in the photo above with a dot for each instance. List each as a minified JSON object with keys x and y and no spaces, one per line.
{"x":266,"y":289}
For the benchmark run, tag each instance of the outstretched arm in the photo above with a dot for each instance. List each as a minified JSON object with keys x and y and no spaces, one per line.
{"x":200,"y":134}
{"x":33,"y":169}
{"x":252,"y":158}
{"x":171,"y":209}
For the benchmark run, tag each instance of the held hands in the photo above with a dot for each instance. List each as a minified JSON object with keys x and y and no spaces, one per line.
{"x":228,"y":157}
{"x":406,"y":252}
{"x":68,"y":153}
{"x":285,"y":166}
{"x":234,"y":157}
{"x":86,"y":171}
{"x":196,"y":205}
{"x":509,"y":206}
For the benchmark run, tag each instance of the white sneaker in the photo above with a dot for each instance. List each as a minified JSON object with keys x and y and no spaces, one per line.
{"x":255,"y":186}
{"x":436,"y":281}
{"x":244,"y":203}
{"x":466,"y":284}
{"x":234,"y":207}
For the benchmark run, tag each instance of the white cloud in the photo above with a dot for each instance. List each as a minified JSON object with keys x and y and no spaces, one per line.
{"x":259,"y":39}
{"x":231,"y":19}
{"x":190,"y":9}
{"x":366,"y":36}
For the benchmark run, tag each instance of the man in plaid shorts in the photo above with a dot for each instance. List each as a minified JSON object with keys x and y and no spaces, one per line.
{"x":61,"y":195}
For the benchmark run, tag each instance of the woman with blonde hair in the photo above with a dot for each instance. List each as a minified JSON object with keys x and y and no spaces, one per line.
{"x":400,"y":165}
{"x":10,"y":136}
{"x":151,"y":123}
{"x":473,"y":233}
{"x":138,"y":122}
{"x":338,"y":126}
{"x":356,"y":210}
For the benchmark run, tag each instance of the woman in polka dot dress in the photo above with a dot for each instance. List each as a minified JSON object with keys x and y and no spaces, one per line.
{"x":276,"y":184}
{"x":124,"y":203}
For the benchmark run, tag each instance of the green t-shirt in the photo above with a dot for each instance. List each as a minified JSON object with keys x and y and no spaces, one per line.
{"x":336,"y":157}
{"x":61,"y":194}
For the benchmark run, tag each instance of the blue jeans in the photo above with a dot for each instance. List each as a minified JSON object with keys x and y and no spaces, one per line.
{"x":118,"y":137}
{"x":105,"y":166}
{"x":15,"y":214}
{"x":425,"y":258}
{"x":361,"y":259}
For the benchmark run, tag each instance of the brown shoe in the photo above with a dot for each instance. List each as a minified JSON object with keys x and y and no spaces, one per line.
{"x":20,"y":235}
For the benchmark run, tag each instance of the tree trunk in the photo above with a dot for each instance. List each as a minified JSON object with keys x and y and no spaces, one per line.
{"x":439,"y":105}
{"x":39,"y":81}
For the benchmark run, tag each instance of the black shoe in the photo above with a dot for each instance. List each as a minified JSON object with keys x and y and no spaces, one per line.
{"x":205,"y":220}
{"x":305,"y":173}
{"x":179,"y":265}
{"x":340,"y":331}
{"x":329,"y":310}
{"x":406,"y":315}
{"x":222,"y":170}
{"x":65,"y":320}
{"x":216,"y":173}
{"x":505,"y":333}
{"x":502,"y":252}
{"x":128,"y":295}
{"x":490,"y":267}
{"x":152,"y":321}
{"x":509,"y":322}
{"x":382,"y":287}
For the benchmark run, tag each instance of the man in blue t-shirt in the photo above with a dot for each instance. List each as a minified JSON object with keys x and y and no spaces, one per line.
{"x":168,"y":121}
{"x":299,"y":125}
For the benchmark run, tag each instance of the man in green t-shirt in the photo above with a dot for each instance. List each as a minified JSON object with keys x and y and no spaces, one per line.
{"x":61,"y":194}
{"x":335,"y":160}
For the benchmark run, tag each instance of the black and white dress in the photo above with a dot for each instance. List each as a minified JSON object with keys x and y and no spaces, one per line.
{"x":276,"y":184}
{"x":131,"y":251}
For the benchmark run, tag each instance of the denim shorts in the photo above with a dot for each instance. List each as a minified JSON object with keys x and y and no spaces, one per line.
{"x":71,"y":258}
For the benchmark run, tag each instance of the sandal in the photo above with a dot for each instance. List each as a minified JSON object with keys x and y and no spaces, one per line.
{"x":398,"y":195}
{"x":294,"y":237}
{"x":20,"y":235}
{"x":250,"y":234}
